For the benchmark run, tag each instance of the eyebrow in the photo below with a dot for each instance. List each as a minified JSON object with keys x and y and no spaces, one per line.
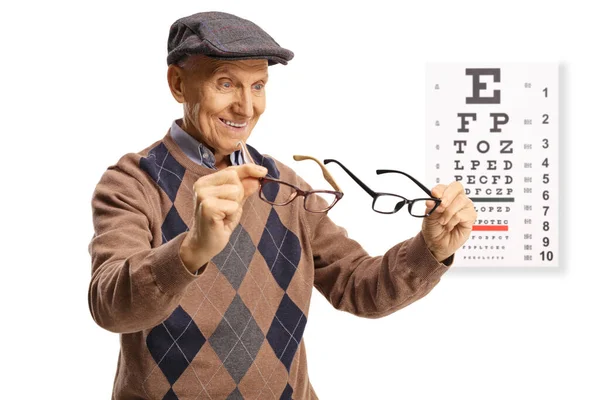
{"x":226,"y":71}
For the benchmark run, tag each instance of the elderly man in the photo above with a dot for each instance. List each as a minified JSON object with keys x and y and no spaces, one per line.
{"x":207,"y":279}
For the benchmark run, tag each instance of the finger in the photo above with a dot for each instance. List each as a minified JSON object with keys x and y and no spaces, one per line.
{"x":233,"y":174}
{"x":244,"y":176}
{"x":249,"y":174}
{"x":250,"y":171}
{"x":446,"y":194}
{"x":435,"y":192}
{"x":433,"y":211}
{"x":249,"y":186}
{"x":215,"y":209}
{"x":221,"y":177}
{"x":452,"y":191}
{"x":465,"y":218}
{"x":228,"y":191}
{"x":438,"y":191}
{"x":451,"y":223}
{"x":458,"y":203}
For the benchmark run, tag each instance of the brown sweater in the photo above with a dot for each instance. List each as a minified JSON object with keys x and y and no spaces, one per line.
{"x":235,"y":330}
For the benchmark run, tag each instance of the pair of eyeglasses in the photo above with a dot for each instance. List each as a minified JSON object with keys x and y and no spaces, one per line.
{"x":280,"y":193}
{"x":390,"y":203}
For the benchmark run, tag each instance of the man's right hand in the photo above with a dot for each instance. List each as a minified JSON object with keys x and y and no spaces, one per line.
{"x":219,"y":199}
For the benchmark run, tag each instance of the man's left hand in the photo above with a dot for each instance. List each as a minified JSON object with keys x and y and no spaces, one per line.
{"x":450,"y":224}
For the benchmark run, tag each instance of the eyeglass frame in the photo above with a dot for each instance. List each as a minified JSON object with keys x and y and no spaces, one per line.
{"x":297,"y":191}
{"x":376,"y":195}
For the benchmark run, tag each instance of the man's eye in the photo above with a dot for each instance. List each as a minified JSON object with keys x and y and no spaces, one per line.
{"x":259,"y":86}
{"x":226,"y":85}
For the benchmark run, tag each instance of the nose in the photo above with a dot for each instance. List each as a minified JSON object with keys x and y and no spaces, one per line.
{"x":244,"y":105}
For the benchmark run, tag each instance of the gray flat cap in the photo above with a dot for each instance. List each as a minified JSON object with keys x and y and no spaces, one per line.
{"x":224,"y":36}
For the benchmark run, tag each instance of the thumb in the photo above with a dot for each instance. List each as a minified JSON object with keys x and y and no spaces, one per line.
{"x":250,"y":171}
{"x":250,"y":175}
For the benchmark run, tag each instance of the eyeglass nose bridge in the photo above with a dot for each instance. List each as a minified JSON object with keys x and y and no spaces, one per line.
{"x":293,"y":196}
{"x":401,"y":204}
{"x":410,"y":207}
{"x":397,"y":207}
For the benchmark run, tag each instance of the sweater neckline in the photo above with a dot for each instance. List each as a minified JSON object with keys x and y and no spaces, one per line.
{"x":183,"y":159}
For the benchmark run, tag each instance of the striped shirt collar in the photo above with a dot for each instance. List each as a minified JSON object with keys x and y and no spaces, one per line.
{"x":196,"y":151}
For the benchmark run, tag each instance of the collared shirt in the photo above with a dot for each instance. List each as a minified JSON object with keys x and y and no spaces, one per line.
{"x":196,"y":151}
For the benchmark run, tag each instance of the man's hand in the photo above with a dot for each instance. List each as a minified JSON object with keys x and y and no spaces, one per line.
{"x":218,"y":209}
{"x":450,"y":225}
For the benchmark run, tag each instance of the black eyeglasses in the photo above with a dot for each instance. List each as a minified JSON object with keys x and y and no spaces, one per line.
{"x":389,"y":203}
{"x":280,"y":193}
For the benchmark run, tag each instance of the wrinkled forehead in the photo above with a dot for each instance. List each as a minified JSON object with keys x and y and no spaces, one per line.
{"x":208,"y":66}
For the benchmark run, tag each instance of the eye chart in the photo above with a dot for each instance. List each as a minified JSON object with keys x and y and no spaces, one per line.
{"x":494,"y":128}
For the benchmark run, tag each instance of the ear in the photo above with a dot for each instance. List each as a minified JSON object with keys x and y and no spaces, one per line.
{"x":175,"y":79}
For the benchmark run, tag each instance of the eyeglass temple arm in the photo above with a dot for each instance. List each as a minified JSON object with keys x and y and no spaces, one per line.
{"x":245,"y":153}
{"x":360,"y":183}
{"x":385,"y":171}
{"x":326,"y":173}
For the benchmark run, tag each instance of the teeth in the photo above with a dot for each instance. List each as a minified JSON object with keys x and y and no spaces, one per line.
{"x":234,"y":124}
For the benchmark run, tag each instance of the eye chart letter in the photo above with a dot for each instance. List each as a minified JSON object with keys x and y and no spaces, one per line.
{"x":494,"y":128}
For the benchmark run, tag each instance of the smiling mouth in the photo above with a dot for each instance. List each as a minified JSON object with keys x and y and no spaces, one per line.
{"x":234,"y":124}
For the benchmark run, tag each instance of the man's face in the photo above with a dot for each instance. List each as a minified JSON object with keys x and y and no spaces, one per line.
{"x":223,"y":101}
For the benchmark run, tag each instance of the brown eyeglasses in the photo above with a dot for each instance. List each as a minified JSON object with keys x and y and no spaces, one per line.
{"x":280,"y":193}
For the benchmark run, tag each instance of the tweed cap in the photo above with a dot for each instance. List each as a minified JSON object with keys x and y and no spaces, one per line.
{"x":223,"y":36}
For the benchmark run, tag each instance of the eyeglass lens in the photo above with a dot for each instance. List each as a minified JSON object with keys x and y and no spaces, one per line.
{"x":279,"y":194}
{"x":390,"y":203}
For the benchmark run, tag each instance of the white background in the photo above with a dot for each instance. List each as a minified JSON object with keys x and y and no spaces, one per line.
{"x":82,"y":83}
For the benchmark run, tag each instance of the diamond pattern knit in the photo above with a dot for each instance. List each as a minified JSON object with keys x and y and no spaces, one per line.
{"x":238,"y":338}
{"x":234,"y":331}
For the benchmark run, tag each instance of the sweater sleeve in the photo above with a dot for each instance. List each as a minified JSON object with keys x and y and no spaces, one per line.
{"x":134,"y":286}
{"x":368,"y":286}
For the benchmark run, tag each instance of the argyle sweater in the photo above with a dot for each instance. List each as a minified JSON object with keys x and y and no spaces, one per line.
{"x":234,"y":330}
